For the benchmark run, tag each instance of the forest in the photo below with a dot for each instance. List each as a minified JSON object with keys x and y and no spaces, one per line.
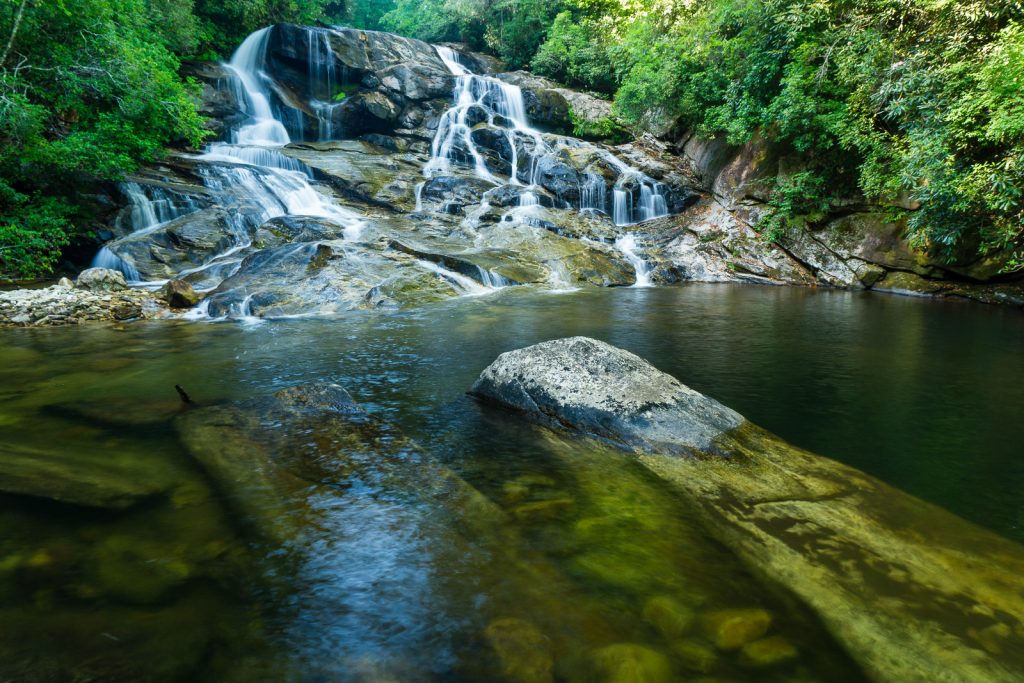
{"x":901,"y":102}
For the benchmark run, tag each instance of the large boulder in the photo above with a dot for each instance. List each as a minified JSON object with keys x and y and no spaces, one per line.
{"x":913,"y":593}
{"x":101,"y":280}
{"x":586,"y":385}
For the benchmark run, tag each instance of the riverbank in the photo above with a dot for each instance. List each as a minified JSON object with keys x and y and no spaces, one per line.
{"x":97,"y":295}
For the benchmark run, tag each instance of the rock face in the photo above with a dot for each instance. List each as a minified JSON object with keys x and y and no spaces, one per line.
{"x":588,"y":386}
{"x":854,"y":245}
{"x":834,"y":537}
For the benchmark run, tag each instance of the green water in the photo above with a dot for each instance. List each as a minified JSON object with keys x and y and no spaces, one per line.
{"x":383,"y":586}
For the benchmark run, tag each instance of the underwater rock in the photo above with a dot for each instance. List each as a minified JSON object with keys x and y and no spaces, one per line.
{"x":696,"y":656}
{"x":589,"y":386}
{"x":630,"y":663}
{"x":733,"y":628}
{"x":833,"y":536}
{"x":767,"y":652}
{"x":138,"y":571}
{"x":271,"y":475}
{"x":668,"y":616}
{"x":523,"y":651}
{"x":80,"y":479}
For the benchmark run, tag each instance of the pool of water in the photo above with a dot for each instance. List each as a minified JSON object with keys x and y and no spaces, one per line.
{"x":594,"y":567}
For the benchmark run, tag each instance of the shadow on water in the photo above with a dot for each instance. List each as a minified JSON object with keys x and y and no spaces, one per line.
{"x":149,"y":573}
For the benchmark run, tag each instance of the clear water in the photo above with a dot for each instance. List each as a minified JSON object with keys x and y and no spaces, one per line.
{"x":384,"y":586}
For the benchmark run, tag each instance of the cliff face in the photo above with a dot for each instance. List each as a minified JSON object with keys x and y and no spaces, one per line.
{"x":857,"y":245}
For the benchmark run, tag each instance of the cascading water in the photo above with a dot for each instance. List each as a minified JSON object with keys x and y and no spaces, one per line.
{"x":627,"y":245}
{"x":453,"y":139}
{"x":592,"y":193}
{"x":323,"y":75}
{"x":635,"y":196}
{"x":249,"y":176}
{"x":150,"y":208}
{"x":246,"y":66}
{"x":529,"y":199}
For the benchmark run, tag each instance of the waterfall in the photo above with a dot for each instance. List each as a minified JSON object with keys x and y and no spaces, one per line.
{"x":152,"y":206}
{"x":627,"y":245}
{"x":105,"y":258}
{"x":454,"y":130}
{"x":247,"y":67}
{"x":592,"y":193}
{"x":505,"y":108}
{"x":461,"y":283}
{"x":529,"y":199}
{"x":622,"y":207}
{"x":256,"y":156}
{"x":323,"y":79}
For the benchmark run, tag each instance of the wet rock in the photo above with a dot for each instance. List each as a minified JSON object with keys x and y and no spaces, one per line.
{"x":559,"y":178}
{"x":668,"y":616}
{"x":278,"y":480}
{"x":179,"y":294}
{"x":89,"y":480}
{"x":101,"y":280}
{"x":218,"y":103}
{"x":767,"y":652}
{"x":696,"y":656}
{"x":733,"y":628}
{"x":590,"y":386}
{"x":524,"y":653}
{"x":833,"y":536}
{"x":543,"y":509}
{"x":138,"y":571}
{"x":629,"y":663}
{"x":585,"y":108}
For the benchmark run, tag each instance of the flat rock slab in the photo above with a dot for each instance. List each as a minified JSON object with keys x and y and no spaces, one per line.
{"x":589,"y":386}
{"x":89,"y":480}
{"x":912,"y":592}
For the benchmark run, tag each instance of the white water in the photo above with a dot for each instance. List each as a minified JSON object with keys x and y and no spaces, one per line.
{"x":247,"y":67}
{"x":250,"y":177}
{"x":461,"y":283}
{"x":627,"y":245}
{"x":453,"y":140}
{"x":529,"y":199}
{"x":635,"y":196}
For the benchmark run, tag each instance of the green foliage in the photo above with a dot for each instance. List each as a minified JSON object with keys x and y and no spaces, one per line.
{"x":797,"y":199}
{"x":605,"y":129}
{"x":576,"y":53}
{"x":908,"y":99}
{"x":221,"y":25}
{"x":84,"y":96}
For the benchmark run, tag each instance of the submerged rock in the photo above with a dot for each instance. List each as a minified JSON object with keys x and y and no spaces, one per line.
{"x":767,"y":652}
{"x":523,"y":651}
{"x":589,"y":386}
{"x":87,"y":479}
{"x":913,"y":593}
{"x":668,"y":616}
{"x":733,"y":628}
{"x":630,"y":663}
